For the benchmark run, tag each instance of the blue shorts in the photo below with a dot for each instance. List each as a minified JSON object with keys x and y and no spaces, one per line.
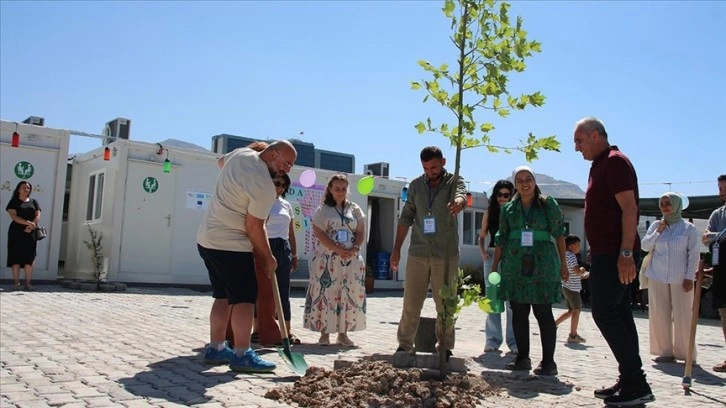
{"x":232,"y":274}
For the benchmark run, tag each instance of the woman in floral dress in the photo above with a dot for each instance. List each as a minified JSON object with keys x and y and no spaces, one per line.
{"x":336,"y":299}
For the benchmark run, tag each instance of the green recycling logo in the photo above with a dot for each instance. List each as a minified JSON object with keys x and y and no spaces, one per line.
{"x":150,"y":184}
{"x":24,"y":170}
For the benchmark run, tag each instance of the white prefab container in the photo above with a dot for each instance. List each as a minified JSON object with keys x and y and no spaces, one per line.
{"x":149,"y":219}
{"x":40,"y":158}
{"x":381,"y":207}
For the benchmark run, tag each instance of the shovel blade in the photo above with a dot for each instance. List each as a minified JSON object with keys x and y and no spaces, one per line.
{"x":295,"y":361}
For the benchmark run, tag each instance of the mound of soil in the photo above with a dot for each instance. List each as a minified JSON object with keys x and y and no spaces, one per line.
{"x":379,"y":384}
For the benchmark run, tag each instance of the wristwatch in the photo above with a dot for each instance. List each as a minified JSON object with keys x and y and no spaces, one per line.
{"x":626,"y":253}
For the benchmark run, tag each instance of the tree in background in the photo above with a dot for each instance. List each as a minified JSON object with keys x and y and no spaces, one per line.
{"x":489,"y":48}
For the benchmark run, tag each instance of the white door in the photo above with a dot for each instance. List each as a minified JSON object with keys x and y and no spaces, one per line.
{"x":38,"y":167}
{"x":147,"y":221}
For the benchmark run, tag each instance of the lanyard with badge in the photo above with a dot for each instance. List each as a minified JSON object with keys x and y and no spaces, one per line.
{"x":527,"y":241}
{"x":341,"y":235}
{"x":429,"y":222}
{"x":715,"y":248}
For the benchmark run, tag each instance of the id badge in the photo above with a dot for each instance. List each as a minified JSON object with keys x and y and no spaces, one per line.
{"x":527,"y":265}
{"x":341,"y":236}
{"x":714,"y":254}
{"x":429,"y":225}
{"x":527,"y":238}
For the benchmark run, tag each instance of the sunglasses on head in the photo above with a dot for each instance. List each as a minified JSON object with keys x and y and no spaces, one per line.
{"x":503,"y":195}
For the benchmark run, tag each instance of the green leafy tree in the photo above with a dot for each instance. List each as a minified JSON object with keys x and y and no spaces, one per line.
{"x":490,"y":47}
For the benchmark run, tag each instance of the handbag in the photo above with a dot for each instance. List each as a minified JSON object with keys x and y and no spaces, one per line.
{"x":40,"y":233}
{"x":643,"y":266}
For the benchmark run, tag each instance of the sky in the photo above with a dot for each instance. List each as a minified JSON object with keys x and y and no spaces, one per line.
{"x":340,"y":72}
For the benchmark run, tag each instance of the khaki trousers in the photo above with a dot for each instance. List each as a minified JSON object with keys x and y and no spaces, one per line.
{"x":420,"y":271}
{"x":670,"y":310}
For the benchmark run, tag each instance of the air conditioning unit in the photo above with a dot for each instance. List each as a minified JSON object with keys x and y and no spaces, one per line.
{"x":35,"y":120}
{"x":376,"y":169}
{"x":118,"y":128}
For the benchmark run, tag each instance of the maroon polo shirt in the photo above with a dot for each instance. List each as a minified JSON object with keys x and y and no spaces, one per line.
{"x":611,"y":173}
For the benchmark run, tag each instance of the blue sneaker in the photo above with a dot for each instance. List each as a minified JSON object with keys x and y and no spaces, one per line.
{"x":216,"y":357}
{"x":250,"y":362}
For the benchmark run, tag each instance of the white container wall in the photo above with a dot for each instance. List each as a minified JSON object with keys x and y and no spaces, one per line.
{"x":149,"y":218}
{"x":40,"y":159}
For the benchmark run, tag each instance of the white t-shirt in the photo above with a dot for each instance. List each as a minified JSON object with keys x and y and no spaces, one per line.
{"x":244,"y":186}
{"x":278,"y":225}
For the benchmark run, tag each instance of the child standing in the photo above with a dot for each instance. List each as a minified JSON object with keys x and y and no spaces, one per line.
{"x":571,"y":289}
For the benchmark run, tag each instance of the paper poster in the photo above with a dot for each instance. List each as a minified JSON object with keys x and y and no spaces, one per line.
{"x":198,"y":200}
{"x":304,"y":201}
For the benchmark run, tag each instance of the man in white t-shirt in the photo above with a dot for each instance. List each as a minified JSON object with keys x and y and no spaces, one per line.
{"x":233,"y":225}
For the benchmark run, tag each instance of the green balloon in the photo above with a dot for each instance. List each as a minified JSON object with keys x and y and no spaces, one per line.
{"x":495,"y":278}
{"x":365,"y":185}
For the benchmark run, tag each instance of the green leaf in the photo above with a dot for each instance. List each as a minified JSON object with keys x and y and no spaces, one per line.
{"x":420,"y":127}
{"x":448,"y":8}
{"x":486,"y":127}
{"x":415,"y":85}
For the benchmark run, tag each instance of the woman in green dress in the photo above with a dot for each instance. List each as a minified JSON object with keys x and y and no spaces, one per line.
{"x":532,"y":266}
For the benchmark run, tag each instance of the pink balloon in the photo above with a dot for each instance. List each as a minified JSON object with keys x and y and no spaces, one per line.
{"x":307,"y":178}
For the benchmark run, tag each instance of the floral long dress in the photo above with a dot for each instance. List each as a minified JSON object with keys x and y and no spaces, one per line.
{"x":544,"y":285}
{"x":336,"y":297}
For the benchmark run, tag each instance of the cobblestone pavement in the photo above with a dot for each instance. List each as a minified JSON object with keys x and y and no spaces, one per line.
{"x":142,"y":348}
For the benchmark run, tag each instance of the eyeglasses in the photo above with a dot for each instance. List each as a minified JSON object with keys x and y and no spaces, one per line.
{"x":287,"y":163}
{"x":503,"y":195}
{"x":280,"y":184}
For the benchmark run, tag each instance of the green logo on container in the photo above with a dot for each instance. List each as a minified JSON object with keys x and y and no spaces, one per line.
{"x":24,"y":170}
{"x":150,"y":184}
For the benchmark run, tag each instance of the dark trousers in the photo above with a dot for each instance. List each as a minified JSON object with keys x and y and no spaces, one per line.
{"x":547,"y":328}
{"x":283,"y":254}
{"x":613,"y":316}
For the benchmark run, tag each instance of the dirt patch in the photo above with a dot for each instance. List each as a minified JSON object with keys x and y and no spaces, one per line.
{"x":379,"y":384}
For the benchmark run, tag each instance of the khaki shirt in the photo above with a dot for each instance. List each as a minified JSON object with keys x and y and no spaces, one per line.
{"x":422,"y":202}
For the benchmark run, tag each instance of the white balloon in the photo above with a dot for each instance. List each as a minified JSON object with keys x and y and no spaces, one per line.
{"x":684,"y":201}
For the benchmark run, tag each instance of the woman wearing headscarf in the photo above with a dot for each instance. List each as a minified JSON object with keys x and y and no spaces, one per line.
{"x":672,"y":244}
{"x":532,"y":266}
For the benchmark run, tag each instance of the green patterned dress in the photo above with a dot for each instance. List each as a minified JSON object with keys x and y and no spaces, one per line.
{"x":544,"y":286}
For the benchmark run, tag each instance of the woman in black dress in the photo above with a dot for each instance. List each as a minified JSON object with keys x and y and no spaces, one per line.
{"x":25,"y":213}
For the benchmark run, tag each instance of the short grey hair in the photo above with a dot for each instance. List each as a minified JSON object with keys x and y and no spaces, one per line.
{"x":590,"y":124}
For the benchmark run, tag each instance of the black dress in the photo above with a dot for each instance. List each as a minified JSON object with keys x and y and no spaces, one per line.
{"x":21,"y":245}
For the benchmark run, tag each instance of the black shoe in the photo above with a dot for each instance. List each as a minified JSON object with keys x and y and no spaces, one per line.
{"x":523,"y":364}
{"x":631,"y":395}
{"x":603,"y":393}
{"x":403,"y":350}
{"x":546,"y":369}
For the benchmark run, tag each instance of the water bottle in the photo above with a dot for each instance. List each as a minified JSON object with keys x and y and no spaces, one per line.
{"x":496,"y":304}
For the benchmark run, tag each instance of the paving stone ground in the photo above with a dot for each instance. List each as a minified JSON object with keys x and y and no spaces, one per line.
{"x":142,"y":348}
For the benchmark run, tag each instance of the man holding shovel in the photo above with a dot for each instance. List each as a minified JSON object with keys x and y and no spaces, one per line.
{"x":231,"y":227}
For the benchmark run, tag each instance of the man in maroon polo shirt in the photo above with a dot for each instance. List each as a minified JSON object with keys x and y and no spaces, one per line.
{"x":611,"y":219}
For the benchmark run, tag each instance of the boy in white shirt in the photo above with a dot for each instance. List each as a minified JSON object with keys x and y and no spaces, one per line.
{"x":571,"y":289}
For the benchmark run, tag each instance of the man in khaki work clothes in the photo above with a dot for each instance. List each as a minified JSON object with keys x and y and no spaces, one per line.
{"x":430,"y":213}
